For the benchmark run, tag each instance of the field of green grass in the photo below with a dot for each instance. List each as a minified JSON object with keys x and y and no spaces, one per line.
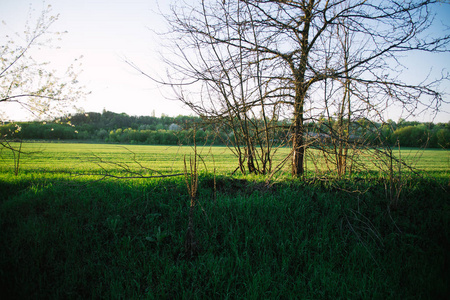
{"x":73,"y":157}
{"x":65,"y":233}
{"x":62,"y":157}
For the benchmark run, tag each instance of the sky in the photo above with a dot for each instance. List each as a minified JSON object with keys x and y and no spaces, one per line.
{"x":108,"y":32}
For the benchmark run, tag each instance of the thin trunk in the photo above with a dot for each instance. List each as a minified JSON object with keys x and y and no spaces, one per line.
{"x":300,"y":95}
{"x":297,"y":139}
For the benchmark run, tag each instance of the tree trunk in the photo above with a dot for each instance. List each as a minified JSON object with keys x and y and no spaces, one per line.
{"x":298,"y":138}
{"x":300,"y":94}
{"x":298,"y":153}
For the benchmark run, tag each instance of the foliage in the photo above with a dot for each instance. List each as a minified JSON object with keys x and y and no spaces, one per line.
{"x":106,"y":127}
{"x":30,"y":83}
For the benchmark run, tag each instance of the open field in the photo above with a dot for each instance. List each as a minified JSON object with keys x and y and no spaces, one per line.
{"x":170,"y":159}
{"x":93,"y":157}
{"x":68,"y":236}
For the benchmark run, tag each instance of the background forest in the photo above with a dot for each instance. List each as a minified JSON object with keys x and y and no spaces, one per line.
{"x":110,"y":127}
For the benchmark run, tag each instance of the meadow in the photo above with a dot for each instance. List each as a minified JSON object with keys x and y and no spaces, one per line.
{"x":69,"y":232}
{"x":83,"y":157}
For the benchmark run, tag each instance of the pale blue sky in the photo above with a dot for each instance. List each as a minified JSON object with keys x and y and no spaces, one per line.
{"x":106,"y":32}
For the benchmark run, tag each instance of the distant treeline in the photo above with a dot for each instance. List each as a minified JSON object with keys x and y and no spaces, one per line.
{"x":111,"y":127}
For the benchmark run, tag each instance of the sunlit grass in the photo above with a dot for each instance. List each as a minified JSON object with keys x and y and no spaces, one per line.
{"x":95,"y":158}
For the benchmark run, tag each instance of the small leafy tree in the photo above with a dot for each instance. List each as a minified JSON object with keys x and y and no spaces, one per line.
{"x":28,"y":83}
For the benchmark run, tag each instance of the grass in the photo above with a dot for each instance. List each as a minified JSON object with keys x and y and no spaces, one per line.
{"x":88,"y":157}
{"x":61,"y":157}
{"x":74,"y":237}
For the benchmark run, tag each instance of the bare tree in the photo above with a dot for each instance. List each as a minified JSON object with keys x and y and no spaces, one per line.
{"x":334,"y":131}
{"x":238,"y":89}
{"x":288,"y":39}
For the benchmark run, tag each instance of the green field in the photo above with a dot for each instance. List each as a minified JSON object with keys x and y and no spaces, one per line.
{"x":93,"y":157}
{"x":42,"y":157}
{"x":67,"y":232}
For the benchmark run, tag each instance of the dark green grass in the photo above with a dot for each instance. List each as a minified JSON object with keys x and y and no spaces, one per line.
{"x":83,"y":239}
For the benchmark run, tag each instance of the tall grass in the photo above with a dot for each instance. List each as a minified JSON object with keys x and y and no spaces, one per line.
{"x":69,"y":236}
{"x":118,"y":239}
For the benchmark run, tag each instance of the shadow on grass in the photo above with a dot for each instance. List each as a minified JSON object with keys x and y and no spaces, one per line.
{"x":125,"y":239}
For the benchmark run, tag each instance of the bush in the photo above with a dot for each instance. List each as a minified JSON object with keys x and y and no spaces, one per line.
{"x":412,"y":136}
{"x":443,"y":138}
